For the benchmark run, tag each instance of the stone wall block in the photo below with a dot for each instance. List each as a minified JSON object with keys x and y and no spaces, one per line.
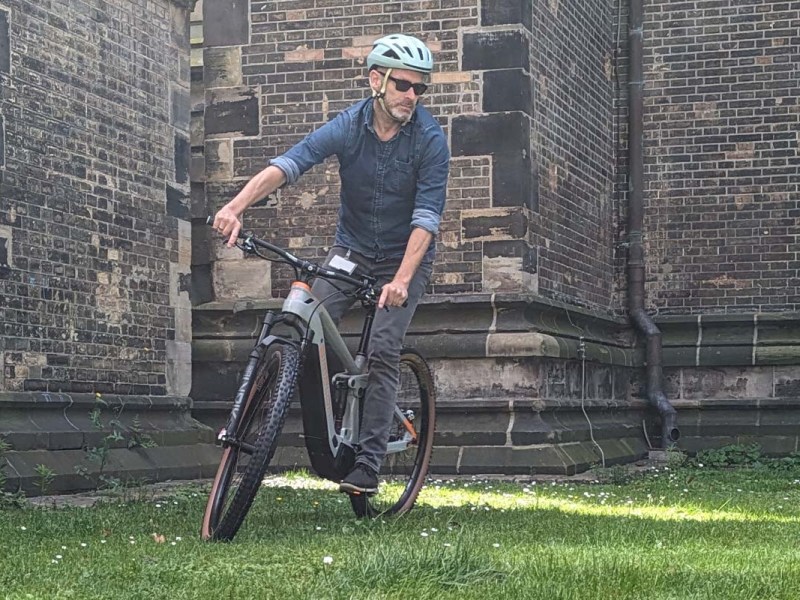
{"x":476,"y":135}
{"x":507,"y":12}
{"x":508,"y":90}
{"x":495,"y":49}
{"x":226,"y":22}
{"x":726,"y":382}
{"x":218,"y":160}
{"x":232,"y":112}
{"x":493,"y":224}
{"x":485,"y":378}
{"x":222,"y":67}
{"x":242,"y":278}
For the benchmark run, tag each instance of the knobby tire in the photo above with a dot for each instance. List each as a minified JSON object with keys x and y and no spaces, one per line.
{"x":222,"y":524}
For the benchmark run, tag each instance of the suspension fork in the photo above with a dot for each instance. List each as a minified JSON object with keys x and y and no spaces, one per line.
{"x":266,"y":325}
{"x":227,"y":434}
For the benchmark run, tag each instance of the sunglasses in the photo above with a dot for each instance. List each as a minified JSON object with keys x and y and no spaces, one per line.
{"x":403,"y":86}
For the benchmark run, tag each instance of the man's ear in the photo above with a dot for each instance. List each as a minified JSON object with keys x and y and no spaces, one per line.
{"x":375,"y":80}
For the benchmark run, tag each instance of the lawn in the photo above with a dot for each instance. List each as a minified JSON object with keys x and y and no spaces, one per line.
{"x":680,"y":533}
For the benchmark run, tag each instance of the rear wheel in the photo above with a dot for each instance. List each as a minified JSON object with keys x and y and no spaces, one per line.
{"x":270,"y":384}
{"x":410,"y":442}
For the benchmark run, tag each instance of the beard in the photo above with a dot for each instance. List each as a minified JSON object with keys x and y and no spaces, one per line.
{"x":401,"y":111}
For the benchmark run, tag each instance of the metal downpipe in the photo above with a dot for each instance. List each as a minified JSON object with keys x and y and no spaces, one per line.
{"x":636,"y":264}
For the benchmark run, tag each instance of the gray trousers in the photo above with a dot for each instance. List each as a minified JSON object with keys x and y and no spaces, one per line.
{"x":386,"y":340}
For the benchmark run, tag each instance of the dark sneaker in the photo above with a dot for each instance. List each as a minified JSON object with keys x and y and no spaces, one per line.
{"x":361,"y":480}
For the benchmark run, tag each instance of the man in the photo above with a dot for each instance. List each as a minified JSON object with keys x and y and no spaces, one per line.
{"x":393,"y":165}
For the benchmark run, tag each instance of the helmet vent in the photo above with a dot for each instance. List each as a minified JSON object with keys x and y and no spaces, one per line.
{"x":399,"y":51}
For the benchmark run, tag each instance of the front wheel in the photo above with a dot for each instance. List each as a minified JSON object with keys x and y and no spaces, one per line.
{"x":269,"y":384}
{"x":410,"y":442}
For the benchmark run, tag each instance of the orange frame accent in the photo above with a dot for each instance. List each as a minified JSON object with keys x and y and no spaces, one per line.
{"x":410,"y":428}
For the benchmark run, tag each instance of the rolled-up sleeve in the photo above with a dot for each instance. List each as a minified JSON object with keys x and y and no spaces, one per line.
{"x":314,"y":148}
{"x":432,"y":184}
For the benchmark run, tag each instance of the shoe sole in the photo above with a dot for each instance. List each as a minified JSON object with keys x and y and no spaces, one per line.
{"x":348,"y":488}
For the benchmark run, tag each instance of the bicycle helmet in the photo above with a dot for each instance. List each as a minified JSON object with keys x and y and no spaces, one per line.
{"x":398,"y":51}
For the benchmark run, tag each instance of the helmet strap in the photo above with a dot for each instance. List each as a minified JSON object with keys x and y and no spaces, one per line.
{"x":379,"y":95}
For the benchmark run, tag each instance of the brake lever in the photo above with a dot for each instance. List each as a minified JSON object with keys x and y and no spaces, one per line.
{"x":245,"y":246}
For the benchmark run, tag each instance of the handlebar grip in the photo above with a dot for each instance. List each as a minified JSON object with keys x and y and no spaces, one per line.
{"x":240,"y":235}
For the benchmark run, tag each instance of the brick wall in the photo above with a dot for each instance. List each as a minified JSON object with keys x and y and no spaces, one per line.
{"x":533,"y":96}
{"x":573,"y":135}
{"x":94,"y":180}
{"x":721,"y":143}
{"x":290,"y":66}
{"x":523,"y":90}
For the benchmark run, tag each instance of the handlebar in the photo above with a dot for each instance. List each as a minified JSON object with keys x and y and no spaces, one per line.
{"x":306,"y":269}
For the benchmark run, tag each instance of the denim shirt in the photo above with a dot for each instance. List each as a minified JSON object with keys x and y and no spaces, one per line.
{"x":388,"y":188}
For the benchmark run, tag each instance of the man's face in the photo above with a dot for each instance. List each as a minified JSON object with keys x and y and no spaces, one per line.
{"x":400,"y":105}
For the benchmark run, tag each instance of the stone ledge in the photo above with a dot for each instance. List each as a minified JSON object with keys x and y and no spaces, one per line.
{"x":729,"y":340}
{"x":53,"y":400}
{"x":136,"y":466}
{"x":497,"y":436}
{"x":42,"y":421}
{"x":507,"y":311}
{"x":710,"y":404}
{"x":57,"y":431}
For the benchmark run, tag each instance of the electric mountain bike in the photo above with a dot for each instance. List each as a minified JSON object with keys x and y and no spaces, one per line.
{"x":300,"y":350}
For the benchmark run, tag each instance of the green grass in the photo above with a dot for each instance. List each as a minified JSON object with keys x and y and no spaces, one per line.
{"x":687,"y":533}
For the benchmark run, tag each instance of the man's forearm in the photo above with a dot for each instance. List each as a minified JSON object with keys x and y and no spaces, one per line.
{"x":228,"y":219}
{"x":260,"y":186}
{"x":417,"y":246}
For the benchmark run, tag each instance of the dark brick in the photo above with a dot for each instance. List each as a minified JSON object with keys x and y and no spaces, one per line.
{"x":237,"y":115}
{"x":495,"y":50}
{"x":513,"y":249}
{"x":514,"y":180}
{"x":183,"y":158}
{"x":5,"y":45}
{"x":507,"y":90}
{"x":741,"y":158}
{"x":487,"y":134}
{"x":226,"y":23}
{"x":507,"y":12}
{"x":177,"y":203}
{"x":5,"y":254}
{"x":84,"y":168}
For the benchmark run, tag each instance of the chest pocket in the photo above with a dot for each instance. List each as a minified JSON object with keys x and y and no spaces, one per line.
{"x":403,"y":179}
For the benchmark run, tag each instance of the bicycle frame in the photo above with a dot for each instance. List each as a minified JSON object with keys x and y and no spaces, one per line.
{"x":315,"y":381}
{"x":321,"y":346}
{"x":299,"y":348}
